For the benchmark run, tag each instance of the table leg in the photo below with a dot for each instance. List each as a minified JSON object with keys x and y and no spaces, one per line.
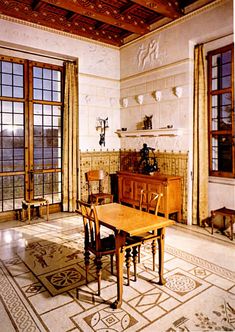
{"x":29,"y":212}
{"x":120,"y":239}
{"x":161,"y":238}
{"x":231,"y":226}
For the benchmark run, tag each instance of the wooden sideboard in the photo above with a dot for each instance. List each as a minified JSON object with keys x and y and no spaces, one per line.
{"x":130,"y":185}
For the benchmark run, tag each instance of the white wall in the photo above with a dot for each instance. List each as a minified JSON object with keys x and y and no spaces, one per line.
{"x":99,"y":75}
{"x":162,"y":61}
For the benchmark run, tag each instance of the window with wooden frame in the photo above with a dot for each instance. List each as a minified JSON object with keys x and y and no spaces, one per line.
{"x":30,"y":131}
{"x":221,"y":112}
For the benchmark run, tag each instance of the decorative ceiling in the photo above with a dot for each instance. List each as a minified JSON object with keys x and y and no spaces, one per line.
{"x":114,"y":22}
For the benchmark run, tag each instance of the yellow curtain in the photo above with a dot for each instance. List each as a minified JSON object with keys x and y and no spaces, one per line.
{"x":70,"y":138}
{"x":200,"y":140}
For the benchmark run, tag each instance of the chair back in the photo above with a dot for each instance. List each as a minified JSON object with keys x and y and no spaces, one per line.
{"x":95,"y":176}
{"x":150,"y":200}
{"x":91,"y":225}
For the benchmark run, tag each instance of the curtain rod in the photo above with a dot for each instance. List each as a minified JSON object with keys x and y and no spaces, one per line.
{"x":217,"y":38}
{"x":37,"y":54}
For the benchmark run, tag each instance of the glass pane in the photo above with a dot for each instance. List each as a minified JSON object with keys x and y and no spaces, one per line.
{"x":38,"y":190}
{"x":47,"y":109}
{"x":48,"y":163}
{"x":38,"y":142}
{"x":56,"y":86}
{"x":6,"y":67}
{"x":216,"y":59}
{"x":19,"y":119}
{"x":226,"y":57}
{"x":37,"y":83}
{"x":226,"y":69}
{"x":18,"y":69}
{"x":19,"y":153}
{"x":47,"y":121}
{"x":19,"y":165}
{"x":38,"y":153}
{"x":18,"y":107}
{"x":47,"y":73}
{"x":8,"y":205}
{"x":6,"y":91}
{"x":226,"y":82}
{"x":18,"y":142}
{"x":8,"y":142}
{"x":7,"y":79}
{"x":7,"y":166}
{"x":57,"y":96}
{"x":222,"y":153}
{"x":38,"y":120}
{"x":7,"y":193}
{"x":37,"y":94}
{"x":221,"y":116}
{"x":7,"y":106}
{"x":37,"y":109}
{"x":56,"y":75}
{"x":18,"y":80}
{"x":38,"y":178}
{"x":56,"y":110}
{"x":7,"y":154}
{"x":37,"y":72}
{"x":47,"y":85}
{"x":46,"y":95}
{"x":7,"y":118}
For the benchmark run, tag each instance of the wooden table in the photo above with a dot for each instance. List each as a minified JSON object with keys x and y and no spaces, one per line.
{"x":127,"y":221}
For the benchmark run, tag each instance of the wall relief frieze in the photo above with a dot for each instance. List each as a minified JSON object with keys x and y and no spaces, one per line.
{"x":150,"y":54}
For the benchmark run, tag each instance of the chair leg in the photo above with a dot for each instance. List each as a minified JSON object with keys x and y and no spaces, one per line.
{"x":135,"y":260}
{"x":139,"y":253}
{"x":87,"y":263}
{"x":154,"y":253}
{"x":98,"y":263}
{"x":128,"y":264}
{"x":111,"y":262}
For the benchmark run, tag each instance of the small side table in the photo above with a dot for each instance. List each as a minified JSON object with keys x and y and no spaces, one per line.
{"x":224,"y":212}
{"x":26,"y":205}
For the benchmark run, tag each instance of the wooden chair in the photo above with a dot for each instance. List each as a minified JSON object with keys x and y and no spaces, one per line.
{"x":148,"y":201}
{"x":93,"y":178}
{"x":93,"y":243}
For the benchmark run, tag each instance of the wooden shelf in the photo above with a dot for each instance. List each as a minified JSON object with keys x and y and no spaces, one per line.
{"x":169,"y":132}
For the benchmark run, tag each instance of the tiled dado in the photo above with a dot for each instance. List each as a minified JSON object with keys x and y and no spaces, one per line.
{"x":170,"y":163}
{"x":107,"y":160}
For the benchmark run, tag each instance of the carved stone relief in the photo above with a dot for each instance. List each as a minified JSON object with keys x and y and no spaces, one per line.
{"x":149,"y":54}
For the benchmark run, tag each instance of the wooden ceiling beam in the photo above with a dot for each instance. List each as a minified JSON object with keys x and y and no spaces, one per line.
{"x":37,"y":4}
{"x":104,"y":13}
{"x":169,"y":8}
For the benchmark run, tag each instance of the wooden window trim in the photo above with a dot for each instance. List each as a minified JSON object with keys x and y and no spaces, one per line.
{"x":212,"y":133}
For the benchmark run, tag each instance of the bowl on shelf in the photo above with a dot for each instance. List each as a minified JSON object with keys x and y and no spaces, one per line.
{"x":124,"y":129}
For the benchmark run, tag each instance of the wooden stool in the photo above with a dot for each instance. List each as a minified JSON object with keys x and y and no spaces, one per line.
{"x":26,"y":204}
{"x":224,"y":212}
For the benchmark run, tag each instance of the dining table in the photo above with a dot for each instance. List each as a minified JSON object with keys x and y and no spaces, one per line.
{"x":127,"y":221}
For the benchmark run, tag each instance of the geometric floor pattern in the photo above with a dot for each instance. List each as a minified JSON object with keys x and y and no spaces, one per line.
{"x":42,"y":284}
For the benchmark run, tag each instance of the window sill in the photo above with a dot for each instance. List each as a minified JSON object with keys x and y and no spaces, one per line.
{"x":221,"y":180}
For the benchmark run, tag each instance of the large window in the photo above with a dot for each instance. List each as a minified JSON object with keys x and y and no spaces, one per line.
{"x":30,"y":132}
{"x":221,"y":112}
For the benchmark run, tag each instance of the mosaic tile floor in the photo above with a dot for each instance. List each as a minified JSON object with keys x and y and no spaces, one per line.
{"x":42,"y":283}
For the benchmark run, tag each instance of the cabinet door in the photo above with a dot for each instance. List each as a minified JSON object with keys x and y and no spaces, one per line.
{"x":127,"y":189}
{"x":138,"y":186}
{"x":158,"y":187}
